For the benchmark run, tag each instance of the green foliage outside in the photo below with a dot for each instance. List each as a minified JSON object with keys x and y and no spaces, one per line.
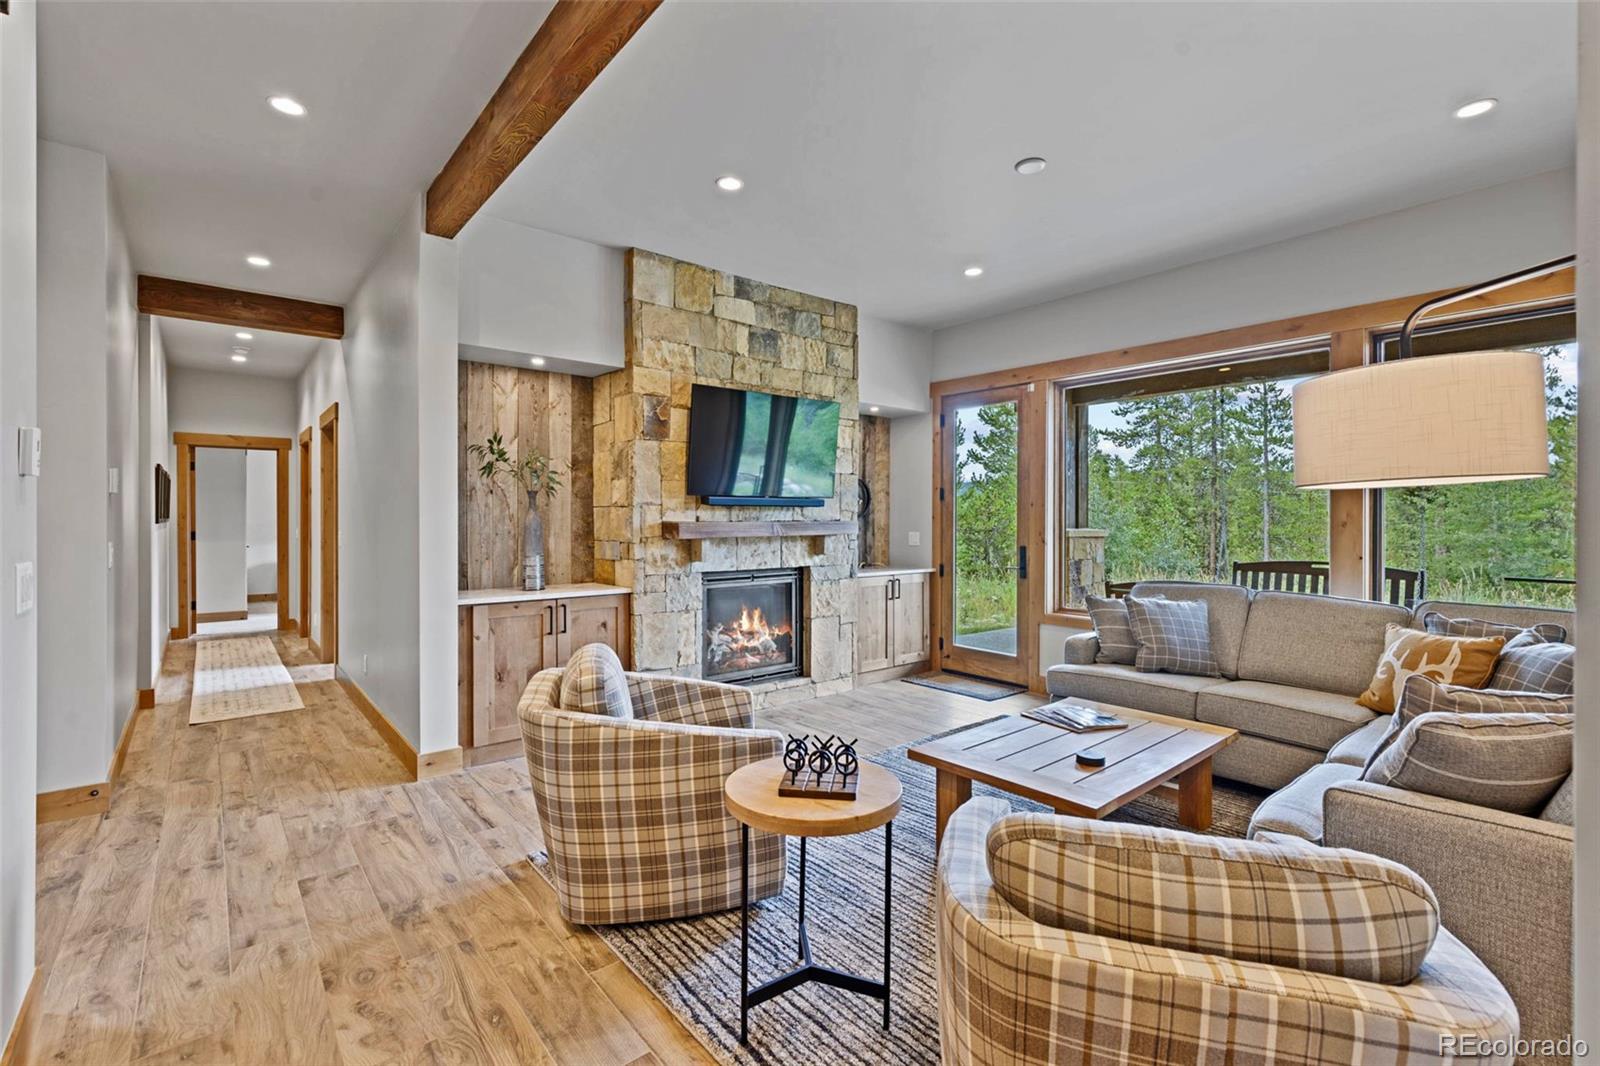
{"x":986,"y":518}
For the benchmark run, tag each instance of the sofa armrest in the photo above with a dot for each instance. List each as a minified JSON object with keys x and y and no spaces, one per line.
{"x":1080,"y":649}
{"x":1504,"y":883}
{"x":690,"y":701}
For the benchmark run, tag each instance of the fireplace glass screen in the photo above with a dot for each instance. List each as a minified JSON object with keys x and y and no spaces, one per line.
{"x":752,"y":626}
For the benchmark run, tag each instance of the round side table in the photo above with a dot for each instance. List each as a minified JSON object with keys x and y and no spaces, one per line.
{"x":751,"y":796}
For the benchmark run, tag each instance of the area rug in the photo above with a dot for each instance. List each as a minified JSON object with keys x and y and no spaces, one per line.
{"x":693,"y":964}
{"x":237,"y":677}
{"x":962,"y":685}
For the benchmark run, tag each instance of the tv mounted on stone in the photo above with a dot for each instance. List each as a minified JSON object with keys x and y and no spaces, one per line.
{"x":761,"y":449}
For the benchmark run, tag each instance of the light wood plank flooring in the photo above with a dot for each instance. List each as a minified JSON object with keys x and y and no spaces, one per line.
{"x":272,"y":890}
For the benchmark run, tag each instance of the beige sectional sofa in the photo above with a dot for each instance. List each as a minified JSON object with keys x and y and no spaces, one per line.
{"x":1292,"y":667}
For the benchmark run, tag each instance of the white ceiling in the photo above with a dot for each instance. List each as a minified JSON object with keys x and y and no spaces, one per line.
{"x":205,"y":173}
{"x":877,"y":140}
{"x":208,"y":346}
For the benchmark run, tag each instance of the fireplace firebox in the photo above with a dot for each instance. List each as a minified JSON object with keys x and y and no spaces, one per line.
{"x":753,"y":627}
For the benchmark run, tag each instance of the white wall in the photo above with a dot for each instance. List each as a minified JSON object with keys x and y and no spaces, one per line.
{"x":18,"y":503}
{"x":394,"y":378}
{"x":210,"y":401}
{"x":910,"y":490}
{"x":261,"y":522}
{"x":527,"y":292}
{"x":1586,"y":751}
{"x":219,"y":550}
{"x":122,"y":455}
{"x":156,"y":594}
{"x":896,"y":365}
{"x":1447,"y":243}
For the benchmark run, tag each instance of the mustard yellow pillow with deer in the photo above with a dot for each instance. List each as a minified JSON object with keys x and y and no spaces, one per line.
{"x":1464,"y":661}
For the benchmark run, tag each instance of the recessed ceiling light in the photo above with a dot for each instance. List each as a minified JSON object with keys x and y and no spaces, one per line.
{"x":1223,"y":369}
{"x":240,"y":349}
{"x":537,"y":360}
{"x":872,"y":410}
{"x":238,"y":358}
{"x":242,"y":335}
{"x":287,"y":105}
{"x":1477,"y":107}
{"x":973,"y":271}
{"x":260,"y":262}
{"x":1031,"y":165}
{"x":729,"y":183}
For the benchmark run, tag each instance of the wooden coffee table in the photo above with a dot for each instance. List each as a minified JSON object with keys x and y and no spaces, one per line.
{"x":1039,"y":761}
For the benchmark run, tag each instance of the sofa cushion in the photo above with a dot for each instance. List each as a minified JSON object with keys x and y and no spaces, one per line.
{"x":1170,"y":694}
{"x":1326,"y":911}
{"x":1356,"y":748}
{"x":1442,"y":624}
{"x":1227,"y":606}
{"x":1174,"y":636}
{"x":1296,"y":808}
{"x":1508,"y":762}
{"x":1541,"y":667}
{"x":1112,"y":629}
{"x":1318,"y":642}
{"x":1423,"y":695}
{"x":1300,"y":716}
{"x":594,"y":683}
{"x":1464,"y":661}
{"x":1559,"y":809}
{"x":1521,"y":617}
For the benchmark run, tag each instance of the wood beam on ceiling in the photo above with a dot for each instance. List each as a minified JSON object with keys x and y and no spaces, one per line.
{"x":235,"y":307}
{"x":572,"y":46}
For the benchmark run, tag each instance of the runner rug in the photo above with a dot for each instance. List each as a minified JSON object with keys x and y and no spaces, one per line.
{"x":237,"y":677}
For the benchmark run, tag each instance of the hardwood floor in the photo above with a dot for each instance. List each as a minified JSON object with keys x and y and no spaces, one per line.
{"x":272,"y":890}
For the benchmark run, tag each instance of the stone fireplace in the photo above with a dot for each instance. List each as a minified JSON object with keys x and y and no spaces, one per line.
{"x":754,"y":625}
{"x":688,"y":324}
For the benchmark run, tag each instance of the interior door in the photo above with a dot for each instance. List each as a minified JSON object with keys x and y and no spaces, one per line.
{"x":984,"y":609}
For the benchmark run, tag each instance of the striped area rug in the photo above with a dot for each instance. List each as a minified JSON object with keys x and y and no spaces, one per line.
{"x":237,"y":677}
{"x":693,"y":964}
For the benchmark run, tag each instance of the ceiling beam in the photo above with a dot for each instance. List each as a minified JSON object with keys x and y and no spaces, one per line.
{"x":234,"y":307}
{"x":573,"y":45}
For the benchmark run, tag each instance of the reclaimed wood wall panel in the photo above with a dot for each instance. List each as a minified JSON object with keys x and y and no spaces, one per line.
{"x":873,"y":462}
{"x":530,"y":409}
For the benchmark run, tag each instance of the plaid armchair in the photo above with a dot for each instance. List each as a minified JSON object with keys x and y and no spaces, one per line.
{"x":1063,"y":940}
{"x":630,"y":799}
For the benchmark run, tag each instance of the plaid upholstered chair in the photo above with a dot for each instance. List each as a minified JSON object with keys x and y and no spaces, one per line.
{"x":627,"y":773}
{"x":1066,"y":940}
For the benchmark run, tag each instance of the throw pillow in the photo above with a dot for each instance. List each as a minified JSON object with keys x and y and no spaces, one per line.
{"x":1508,"y":762}
{"x":1454,"y":660}
{"x":1445,"y":626}
{"x":1541,"y":667}
{"x":1326,"y":910}
{"x":1112,"y":629}
{"x":1423,"y":695}
{"x":1174,"y":636}
{"x":594,"y":683}
{"x":1559,"y":809}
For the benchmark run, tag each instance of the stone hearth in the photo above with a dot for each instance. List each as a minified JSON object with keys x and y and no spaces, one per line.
{"x":688,"y":324}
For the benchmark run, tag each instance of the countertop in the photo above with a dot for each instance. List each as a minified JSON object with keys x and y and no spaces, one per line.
{"x":479,"y":597}
{"x":893,"y":571}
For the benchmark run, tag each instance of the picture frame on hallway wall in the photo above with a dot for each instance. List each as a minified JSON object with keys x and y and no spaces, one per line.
{"x":163,"y":495}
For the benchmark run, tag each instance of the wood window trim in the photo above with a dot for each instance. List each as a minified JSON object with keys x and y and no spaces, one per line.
{"x":1348,"y":331}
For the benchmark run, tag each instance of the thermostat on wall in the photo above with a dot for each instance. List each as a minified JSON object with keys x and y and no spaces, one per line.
{"x":30,"y":443}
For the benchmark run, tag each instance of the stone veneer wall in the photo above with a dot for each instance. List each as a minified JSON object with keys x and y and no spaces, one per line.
{"x":688,"y":324}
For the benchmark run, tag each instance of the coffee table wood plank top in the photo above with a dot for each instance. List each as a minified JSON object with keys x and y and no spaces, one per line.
{"x":1039,"y":761}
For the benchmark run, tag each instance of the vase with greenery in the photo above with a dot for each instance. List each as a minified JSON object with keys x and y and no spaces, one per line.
{"x":535,"y":474}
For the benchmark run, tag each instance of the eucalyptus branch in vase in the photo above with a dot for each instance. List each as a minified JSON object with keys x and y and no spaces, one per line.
{"x":537,"y":476}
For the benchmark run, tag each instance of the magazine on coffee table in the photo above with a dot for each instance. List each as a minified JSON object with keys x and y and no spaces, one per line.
{"x":1075,"y":717}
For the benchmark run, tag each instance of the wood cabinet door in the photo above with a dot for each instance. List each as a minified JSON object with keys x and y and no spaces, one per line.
{"x":510,"y":643}
{"x":910,"y":610}
{"x":874,"y":625}
{"x":592,"y":620}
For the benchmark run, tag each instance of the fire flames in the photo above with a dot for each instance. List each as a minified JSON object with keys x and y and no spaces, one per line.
{"x":748,"y":642}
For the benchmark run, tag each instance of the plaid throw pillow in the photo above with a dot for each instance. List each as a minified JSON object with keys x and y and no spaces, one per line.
{"x":1326,"y":910}
{"x":1174,"y":636}
{"x":595,"y":683}
{"x":1543,"y":667}
{"x":1113,"y":630}
{"x":1507,"y":762}
{"x":1424,"y":695}
{"x":1445,"y":626}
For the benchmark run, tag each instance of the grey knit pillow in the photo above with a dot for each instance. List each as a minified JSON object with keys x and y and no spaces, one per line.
{"x":1445,"y":626}
{"x":1543,"y":667}
{"x":1174,"y":636}
{"x":1112,"y":629}
{"x":1508,"y":762}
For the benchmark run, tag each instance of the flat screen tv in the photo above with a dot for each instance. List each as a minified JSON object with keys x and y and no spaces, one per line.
{"x":757,"y":448}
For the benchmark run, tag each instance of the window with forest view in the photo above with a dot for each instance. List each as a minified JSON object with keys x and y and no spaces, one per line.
{"x":1186,"y":482}
{"x":1499,"y":541}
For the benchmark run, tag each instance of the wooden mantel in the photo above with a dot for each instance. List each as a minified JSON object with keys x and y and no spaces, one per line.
{"x":755,"y":528}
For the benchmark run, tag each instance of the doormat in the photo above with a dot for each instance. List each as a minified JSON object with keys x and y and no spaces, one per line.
{"x":977,"y":687}
{"x":237,"y":677}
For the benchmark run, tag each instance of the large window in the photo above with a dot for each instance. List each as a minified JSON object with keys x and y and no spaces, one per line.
{"x":1505,"y":541}
{"x":1191,"y":471}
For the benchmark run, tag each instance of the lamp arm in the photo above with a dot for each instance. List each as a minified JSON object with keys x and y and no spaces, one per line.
{"x":1475,"y":290}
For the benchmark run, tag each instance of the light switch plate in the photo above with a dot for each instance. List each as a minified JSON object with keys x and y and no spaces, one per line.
{"x":30,"y":443}
{"x":111,"y":555}
{"x":25,"y":587}
{"x":914,"y":538}
{"x":114,"y":481}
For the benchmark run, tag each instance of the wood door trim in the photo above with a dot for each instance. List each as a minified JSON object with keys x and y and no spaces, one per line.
{"x":328,"y":502}
{"x":196,"y":302}
{"x":304,"y":447}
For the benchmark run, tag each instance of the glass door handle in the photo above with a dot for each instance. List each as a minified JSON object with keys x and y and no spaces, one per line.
{"x":1022,"y":562}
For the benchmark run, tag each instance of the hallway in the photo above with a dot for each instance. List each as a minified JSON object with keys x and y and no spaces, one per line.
{"x":271,"y":889}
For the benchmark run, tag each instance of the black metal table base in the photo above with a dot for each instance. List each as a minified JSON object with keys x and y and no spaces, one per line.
{"x":808,"y":971}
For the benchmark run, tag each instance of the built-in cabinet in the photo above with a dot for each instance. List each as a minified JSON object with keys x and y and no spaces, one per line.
{"x":892,"y":630}
{"x":507,"y":636}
